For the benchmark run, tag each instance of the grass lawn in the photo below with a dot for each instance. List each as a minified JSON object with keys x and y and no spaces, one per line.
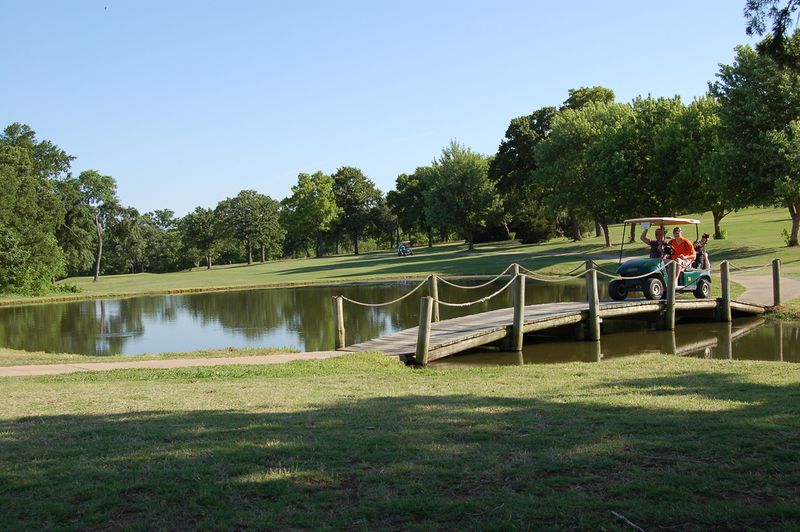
{"x":363,"y":442}
{"x":754,"y":239}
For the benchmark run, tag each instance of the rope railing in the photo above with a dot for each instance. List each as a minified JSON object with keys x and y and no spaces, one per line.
{"x":562,"y":278}
{"x":481,"y":300}
{"x":472,"y":287}
{"x":361,"y":303}
{"x":648,"y":274}
{"x":747,"y":270}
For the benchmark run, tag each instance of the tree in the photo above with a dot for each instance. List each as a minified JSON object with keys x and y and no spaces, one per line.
{"x":579,"y":98}
{"x":513,"y":170}
{"x":311,"y":210}
{"x":30,"y":213}
{"x":407,"y":201}
{"x":99,"y":194}
{"x":461,"y":195}
{"x":759,"y":100}
{"x":780,"y":12}
{"x":198,"y":232}
{"x":580,"y":160}
{"x":250,"y":218}
{"x":356,"y":196}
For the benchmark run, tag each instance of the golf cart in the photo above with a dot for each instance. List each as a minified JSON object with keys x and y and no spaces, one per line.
{"x":696,"y":279}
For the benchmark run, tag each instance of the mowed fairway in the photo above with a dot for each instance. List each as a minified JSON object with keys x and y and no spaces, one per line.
{"x":753,"y":239}
{"x":363,"y":442}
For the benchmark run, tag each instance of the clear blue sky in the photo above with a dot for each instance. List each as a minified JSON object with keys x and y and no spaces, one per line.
{"x":186,"y":103}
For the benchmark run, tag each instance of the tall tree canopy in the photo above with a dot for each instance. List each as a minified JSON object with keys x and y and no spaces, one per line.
{"x":356,"y":197}
{"x":461,"y":195}
{"x":759,"y":101}
{"x":252,"y":218}
{"x":311,"y":210}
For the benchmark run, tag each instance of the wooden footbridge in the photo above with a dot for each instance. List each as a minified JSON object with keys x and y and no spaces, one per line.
{"x":434,"y":339}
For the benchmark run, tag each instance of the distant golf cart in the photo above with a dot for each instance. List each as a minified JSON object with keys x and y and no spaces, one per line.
{"x":696,"y":279}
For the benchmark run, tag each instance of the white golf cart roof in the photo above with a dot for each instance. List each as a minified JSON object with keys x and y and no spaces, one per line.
{"x":662,"y":220}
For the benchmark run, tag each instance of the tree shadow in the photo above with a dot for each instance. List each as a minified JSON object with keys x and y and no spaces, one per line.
{"x":421,"y":461}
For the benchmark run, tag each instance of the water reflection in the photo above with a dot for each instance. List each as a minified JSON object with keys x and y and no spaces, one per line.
{"x":299,"y":317}
{"x":302,"y":318}
{"x":743,"y":339}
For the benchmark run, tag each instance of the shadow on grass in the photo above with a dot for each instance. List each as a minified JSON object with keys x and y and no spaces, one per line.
{"x":458,"y":461}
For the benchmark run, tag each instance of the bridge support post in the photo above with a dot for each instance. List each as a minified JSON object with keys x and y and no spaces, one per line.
{"x":725,"y":301}
{"x":338,"y":319}
{"x":776,"y":282}
{"x":593,"y":325}
{"x":435,"y":295}
{"x":669,"y":312}
{"x":519,"y":314}
{"x":514,"y":273}
{"x":424,"y":332}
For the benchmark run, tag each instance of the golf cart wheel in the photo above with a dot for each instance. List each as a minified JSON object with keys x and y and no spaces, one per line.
{"x":654,"y":289}
{"x":703,"y":290}
{"x":617,"y":290}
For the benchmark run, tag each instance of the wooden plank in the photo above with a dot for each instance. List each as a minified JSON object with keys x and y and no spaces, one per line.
{"x":459,"y":334}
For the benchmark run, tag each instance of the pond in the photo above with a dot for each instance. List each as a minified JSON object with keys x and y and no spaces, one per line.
{"x":302,"y":318}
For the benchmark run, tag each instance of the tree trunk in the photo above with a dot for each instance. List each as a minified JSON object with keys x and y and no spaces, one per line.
{"x":319,"y":250}
{"x":355,"y":244}
{"x":718,"y":216}
{"x":443,"y":234}
{"x":430,"y":236}
{"x":99,"y":246}
{"x":794,"y":211}
{"x":208,"y":261}
{"x":263,"y":253}
{"x":598,"y":229}
{"x":575,"y":227}
{"x":249,"y":252}
{"x":632,"y":237}
{"x":604,"y":226}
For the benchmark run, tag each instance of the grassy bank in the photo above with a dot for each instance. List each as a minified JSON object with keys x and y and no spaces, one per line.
{"x":15,"y":357}
{"x":754,"y":239}
{"x":670,"y":443}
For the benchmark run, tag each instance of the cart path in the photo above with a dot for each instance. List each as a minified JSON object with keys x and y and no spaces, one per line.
{"x":57,"y":369}
{"x":758,"y":288}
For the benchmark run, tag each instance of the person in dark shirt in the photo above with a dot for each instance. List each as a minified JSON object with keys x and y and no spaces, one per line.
{"x":658,"y":247}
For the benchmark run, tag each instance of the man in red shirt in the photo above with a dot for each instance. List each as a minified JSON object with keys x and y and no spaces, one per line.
{"x":682,"y":251}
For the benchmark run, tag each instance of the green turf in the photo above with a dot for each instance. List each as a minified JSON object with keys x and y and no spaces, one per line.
{"x":365,"y":443}
{"x":754,"y":239}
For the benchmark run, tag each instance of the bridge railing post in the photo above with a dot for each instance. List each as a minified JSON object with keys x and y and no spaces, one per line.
{"x":519,"y":314}
{"x":776,"y":282}
{"x":594,"y":302}
{"x":435,"y":295}
{"x":338,"y":320}
{"x":669,"y":316}
{"x":424,"y":332}
{"x":725,"y":301}
{"x":514,"y":273}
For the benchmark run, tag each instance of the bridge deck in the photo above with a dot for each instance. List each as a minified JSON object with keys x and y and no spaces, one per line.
{"x":459,"y":334}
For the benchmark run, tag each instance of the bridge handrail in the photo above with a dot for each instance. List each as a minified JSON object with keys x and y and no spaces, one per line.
{"x":361,"y":303}
{"x":445,"y":281}
{"x":481,"y":300}
{"x":559,"y":278}
{"x":745,"y":270}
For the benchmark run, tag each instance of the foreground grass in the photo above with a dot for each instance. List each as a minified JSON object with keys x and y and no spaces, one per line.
{"x":14,"y":357}
{"x":754,"y":239}
{"x":362,"y":442}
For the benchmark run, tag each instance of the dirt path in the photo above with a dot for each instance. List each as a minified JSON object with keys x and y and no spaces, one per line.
{"x":758,"y":288}
{"x":56,"y":369}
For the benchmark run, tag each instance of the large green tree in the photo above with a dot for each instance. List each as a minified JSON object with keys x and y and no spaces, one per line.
{"x":199,"y":233}
{"x":461,"y":195}
{"x":407,"y":202}
{"x":357,"y":197}
{"x":99,"y":194}
{"x":311,"y":210}
{"x":580,"y":163}
{"x":759,"y":103}
{"x":252,"y":218}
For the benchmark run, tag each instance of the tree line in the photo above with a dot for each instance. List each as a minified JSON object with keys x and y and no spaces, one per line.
{"x":564,"y":170}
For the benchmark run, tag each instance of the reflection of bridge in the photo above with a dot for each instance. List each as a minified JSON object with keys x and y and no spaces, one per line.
{"x":434,"y":339}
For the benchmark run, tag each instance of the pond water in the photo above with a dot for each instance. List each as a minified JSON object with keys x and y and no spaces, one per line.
{"x":302,"y":318}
